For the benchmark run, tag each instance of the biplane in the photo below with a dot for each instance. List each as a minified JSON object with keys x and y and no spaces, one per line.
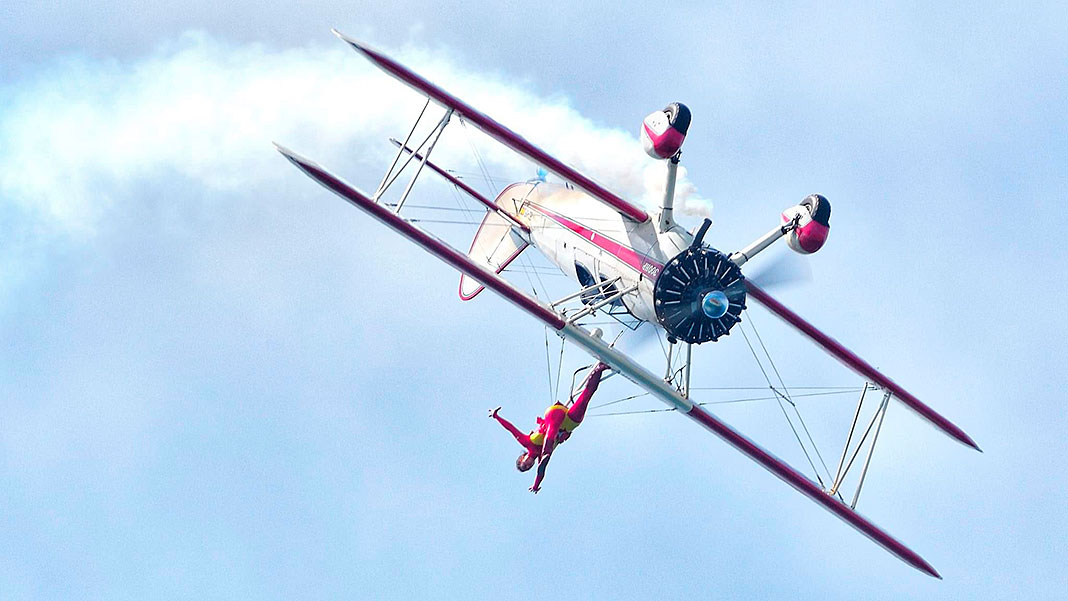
{"x":626,"y":259}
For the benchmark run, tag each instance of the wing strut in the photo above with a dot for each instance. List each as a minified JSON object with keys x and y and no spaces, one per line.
{"x":617,"y":360}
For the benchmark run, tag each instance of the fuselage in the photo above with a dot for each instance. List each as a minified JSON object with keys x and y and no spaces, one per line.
{"x":592,"y":243}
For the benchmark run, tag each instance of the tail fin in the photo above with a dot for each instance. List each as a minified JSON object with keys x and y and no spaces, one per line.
{"x":496,"y":244}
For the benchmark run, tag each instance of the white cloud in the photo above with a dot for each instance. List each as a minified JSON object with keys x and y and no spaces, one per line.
{"x":75,"y":142}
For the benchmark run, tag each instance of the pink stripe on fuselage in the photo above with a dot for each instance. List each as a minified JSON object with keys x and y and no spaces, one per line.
{"x":627,"y":255}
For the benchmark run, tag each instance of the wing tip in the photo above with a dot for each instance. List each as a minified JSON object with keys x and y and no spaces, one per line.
{"x":356,"y":44}
{"x":341,"y":36}
{"x":960,"y":436}
{"x":971,"y":443}
{"x":291,"y":156}
{"x":928,"y":569}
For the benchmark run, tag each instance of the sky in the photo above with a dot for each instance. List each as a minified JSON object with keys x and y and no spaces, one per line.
{"x":217,"y":380}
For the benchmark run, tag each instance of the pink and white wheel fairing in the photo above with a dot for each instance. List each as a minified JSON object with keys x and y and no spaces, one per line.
{"x":813,"y":224}
{"x":664,"y":131}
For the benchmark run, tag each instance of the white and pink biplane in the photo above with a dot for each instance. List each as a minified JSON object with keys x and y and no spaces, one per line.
{"x":625,"y":258}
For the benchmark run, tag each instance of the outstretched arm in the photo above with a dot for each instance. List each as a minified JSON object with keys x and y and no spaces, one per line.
{"x":578,"y":410}
{"x":521,"y":438}
{"x":542,"y":465}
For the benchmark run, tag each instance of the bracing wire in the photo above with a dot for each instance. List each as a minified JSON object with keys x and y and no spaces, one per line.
{"x":441,"y":221}
{"x":496,"y":180}
{"x":478,"y":155}
{"x":464,"y":210}
{"x":843,"y":391}
{"x":793,"y":429}
{"x":548,"y":365}
{"x":617,"y":401}
{"x":663,"y":349}
{"x":775,"y":369}
{"x":559,"y":372}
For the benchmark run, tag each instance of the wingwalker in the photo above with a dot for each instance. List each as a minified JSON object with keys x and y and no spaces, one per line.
{"x":625,"y":259}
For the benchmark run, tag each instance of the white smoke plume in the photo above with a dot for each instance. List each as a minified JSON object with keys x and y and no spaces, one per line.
{"x":73,"y":143}
{"x":687,"y":201}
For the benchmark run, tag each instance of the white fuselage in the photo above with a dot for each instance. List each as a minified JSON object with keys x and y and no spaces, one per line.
{"x":585,"y":239}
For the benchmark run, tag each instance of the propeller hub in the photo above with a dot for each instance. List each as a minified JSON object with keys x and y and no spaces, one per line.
{"x":715,"y":304}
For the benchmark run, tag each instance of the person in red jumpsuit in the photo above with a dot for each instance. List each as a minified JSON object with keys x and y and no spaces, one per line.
{"x":553,"y":428}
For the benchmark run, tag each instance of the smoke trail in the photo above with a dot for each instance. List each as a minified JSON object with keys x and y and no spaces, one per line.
{"x":78,"y":140}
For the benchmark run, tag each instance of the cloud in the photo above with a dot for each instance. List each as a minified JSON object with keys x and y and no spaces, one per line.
{"x":79,"y":139}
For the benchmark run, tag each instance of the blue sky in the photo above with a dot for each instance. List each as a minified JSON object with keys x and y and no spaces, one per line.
{"x":220,"y":381}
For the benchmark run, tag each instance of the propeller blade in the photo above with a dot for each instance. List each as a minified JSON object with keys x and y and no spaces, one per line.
{"x":783,"y":270}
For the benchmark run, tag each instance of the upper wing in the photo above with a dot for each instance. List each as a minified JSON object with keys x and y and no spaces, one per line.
{"x":850,"y":359}
{"x":497,"y":131}
{"x":617,"y":360}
